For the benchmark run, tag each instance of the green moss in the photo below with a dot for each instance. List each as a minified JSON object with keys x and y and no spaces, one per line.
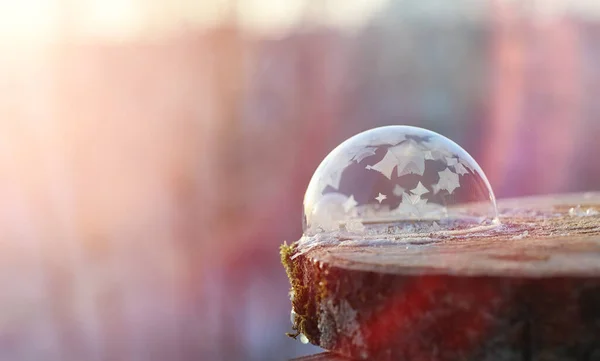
{"x":307,"y":293}
{"x":299,"y":291}
{"x":286,"y":252}
{"x":322,"y":290}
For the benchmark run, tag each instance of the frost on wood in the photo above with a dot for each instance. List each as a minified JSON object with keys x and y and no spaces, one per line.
{"x":581,"y":212}
{"x":342,"y":318}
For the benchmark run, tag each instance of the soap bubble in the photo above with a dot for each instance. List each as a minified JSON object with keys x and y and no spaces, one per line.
{"x":398,"y":179}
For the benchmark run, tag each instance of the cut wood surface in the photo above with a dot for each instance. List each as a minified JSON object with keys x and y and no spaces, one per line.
{"x":528,"y":289}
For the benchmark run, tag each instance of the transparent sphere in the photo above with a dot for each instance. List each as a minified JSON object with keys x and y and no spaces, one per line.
{"x":398,"y":179}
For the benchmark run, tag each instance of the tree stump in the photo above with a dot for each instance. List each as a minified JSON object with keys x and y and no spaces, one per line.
{"x":526,"y":290}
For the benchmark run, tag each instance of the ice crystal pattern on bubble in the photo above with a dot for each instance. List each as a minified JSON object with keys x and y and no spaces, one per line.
{"x":397,"y":177}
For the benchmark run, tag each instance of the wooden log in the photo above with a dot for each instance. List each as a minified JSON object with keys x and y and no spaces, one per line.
{"x":526,"y":290}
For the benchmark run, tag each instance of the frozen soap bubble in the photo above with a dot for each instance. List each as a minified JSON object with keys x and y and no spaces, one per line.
{"x":398,"y":179}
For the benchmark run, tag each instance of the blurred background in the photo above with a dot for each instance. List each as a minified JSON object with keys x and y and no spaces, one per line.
{"x":154,"y":154}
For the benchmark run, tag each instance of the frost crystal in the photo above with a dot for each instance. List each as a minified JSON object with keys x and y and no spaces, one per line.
{"x":579,"y":212}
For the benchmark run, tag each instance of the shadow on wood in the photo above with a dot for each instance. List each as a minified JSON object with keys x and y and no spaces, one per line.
{"x":325,"y":356}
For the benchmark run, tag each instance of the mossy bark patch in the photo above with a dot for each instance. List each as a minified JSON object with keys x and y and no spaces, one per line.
{"x":307,"y":286}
